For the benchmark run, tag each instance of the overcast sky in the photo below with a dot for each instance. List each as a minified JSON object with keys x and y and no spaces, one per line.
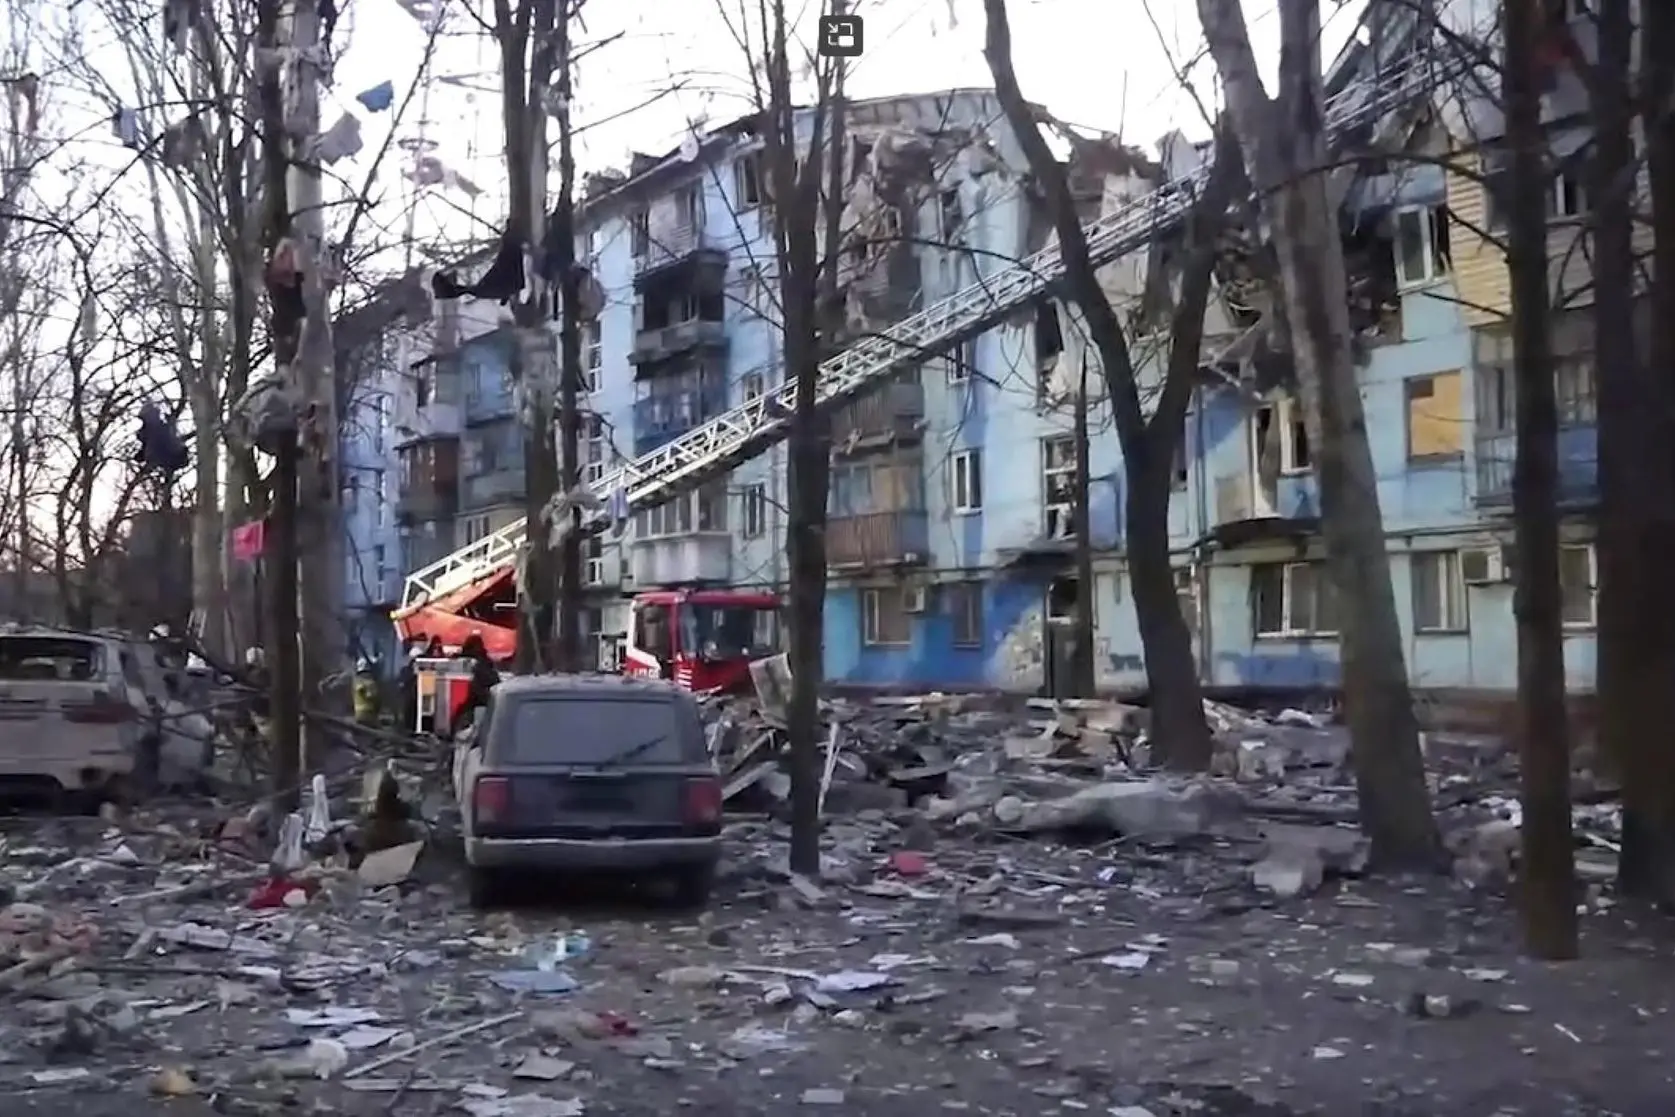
{"x":1093,"y":63}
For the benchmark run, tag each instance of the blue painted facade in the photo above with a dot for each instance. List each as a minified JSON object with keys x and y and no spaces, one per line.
{"x":949,"y":531}
{"x":371,"y":552}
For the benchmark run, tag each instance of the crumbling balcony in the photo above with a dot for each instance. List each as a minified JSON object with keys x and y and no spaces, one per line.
{"x":892,"y":414}
{"x":872,"y":539}
{"x":694,"y":336}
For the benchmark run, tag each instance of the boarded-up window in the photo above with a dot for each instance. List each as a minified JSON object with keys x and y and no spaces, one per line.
{"x":1436,"y":427}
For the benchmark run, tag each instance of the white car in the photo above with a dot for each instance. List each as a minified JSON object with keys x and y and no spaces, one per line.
{"x":95,"y":713}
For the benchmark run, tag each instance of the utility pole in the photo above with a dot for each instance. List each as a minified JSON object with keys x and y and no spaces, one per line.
{"x":1081,"y":645}
{"x":563,"y":243}
{"x":314,"y":374}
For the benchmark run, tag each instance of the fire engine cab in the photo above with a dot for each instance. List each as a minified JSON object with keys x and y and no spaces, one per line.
{"x":700,"y":639}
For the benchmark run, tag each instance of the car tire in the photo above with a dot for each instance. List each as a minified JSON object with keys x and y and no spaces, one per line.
{"x":693,"y":885}
{"x":486,"y":888}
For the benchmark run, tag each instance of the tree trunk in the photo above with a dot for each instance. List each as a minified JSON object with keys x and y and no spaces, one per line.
{"x":1636,"y":727}
{"x":1547,"y":870}
{"x":1179,"y":729}
{"x":1286,"y":144}
{"x":563,"y":243}
{"x":527,"y":58}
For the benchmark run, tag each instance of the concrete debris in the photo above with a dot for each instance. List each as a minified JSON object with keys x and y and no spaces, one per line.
{"x":998,"y":880}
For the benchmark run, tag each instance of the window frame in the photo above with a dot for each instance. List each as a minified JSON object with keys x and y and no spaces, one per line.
{"x":965,"y":610}
{"x":872,"y":618}
{"x":1567,"y":623}
{"x":1288,"y":591}
{"x":753,"y":518}
{"x":1434,"y":245}
{"x":1410,"y":396}
{"x":1451,"y":587}
{"x":748,"y":191}
{"x":1063,"y":510}
{"x":966,"y":482}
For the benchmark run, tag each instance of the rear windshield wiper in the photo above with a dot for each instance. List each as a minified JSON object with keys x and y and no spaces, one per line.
{"x":633,"y":751}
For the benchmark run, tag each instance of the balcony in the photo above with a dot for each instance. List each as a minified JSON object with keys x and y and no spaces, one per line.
{"x":498,"y":486}
{"x":670,"y":245}
{"x":420,"y":503}
{"x":663,"y":343}
{"x":1578,"y":468}
{"x":900,"y":538}
{"x":680,"y":560}
{"x":895,"y":413}
{"x":421,"y":424}
{"x":663,"y":417}
{"x":489,"y":407}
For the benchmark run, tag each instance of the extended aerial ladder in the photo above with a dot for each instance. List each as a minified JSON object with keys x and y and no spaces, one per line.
{"x":745,"y":431}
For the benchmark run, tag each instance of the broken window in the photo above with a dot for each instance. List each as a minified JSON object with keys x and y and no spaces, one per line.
{"x":639,"y":233}
{"x":1063,"y":594}
{"x":1436,"y":424}
{"x":1292,"y":599}
{"x":1282,"y":439}
{"x":747,"y":181}
{"x":1422,"y":251}
{"x":1058,"y":486}
{"x":951,"y":216}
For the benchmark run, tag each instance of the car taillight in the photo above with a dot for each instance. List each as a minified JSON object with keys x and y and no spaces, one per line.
{"x":703,"y":800}
{"x":491,"y":798}
{"x":102,"y":710}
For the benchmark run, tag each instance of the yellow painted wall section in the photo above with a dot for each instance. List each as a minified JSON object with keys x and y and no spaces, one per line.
{"x":1480,"y":267}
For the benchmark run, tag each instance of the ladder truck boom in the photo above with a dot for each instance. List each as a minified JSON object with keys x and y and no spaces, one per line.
{"x":745,"y":431}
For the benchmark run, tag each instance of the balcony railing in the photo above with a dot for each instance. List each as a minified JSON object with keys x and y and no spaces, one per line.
{"x":663,"y":342}
{"x":897,"y":412}
{"x":499,"y":486}
{"x":421,"y":502}
{"x":489,"y":407}
{"x":1578,"y":467}
{"x":899,"y":538}
{"x":670,"y":244}
{"x":679,"y":560}
{"x":433,"y":420}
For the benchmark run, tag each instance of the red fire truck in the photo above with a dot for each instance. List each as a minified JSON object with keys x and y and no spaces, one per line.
{"x":702,"y":639}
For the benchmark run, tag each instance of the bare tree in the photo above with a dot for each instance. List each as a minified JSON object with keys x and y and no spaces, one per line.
{"x":528,"y":34}
{"x":802,"y":168}
{"x":1547,"y":875}
{"x":1285,"y":144}
{"x":1638,"y":730}
{"x":1149,"y":444}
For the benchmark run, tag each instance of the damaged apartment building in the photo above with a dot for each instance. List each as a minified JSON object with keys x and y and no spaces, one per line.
{"x":953,"y":483}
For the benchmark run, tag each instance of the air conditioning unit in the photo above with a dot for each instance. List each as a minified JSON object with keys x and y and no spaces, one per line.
{"x":1483,"y":566}
{"x":914,"y":599}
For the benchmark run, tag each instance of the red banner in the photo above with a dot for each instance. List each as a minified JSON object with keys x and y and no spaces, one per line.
{"x":249,"y":540}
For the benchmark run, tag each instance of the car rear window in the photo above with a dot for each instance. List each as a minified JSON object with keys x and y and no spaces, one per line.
{"x":55,"y":658}
{"x":590,"y":730}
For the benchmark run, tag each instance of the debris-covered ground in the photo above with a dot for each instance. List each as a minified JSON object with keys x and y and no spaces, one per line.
{"x":1012,"y":919}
